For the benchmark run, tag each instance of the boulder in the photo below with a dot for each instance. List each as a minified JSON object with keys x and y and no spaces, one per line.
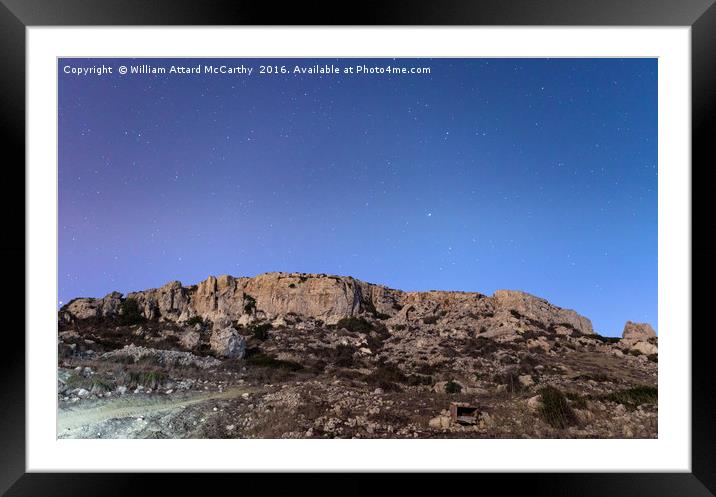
{"x":638,"y":331}
{"x":190,"y":339}
{"x":227,"y":342}
{"x":526,"y":380}
{"x":645,"y":348}
{"x":534,"y":403}
{"x":440,"y":422}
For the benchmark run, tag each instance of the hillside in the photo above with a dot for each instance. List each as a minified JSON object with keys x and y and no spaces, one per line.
{"x":313,"y":355}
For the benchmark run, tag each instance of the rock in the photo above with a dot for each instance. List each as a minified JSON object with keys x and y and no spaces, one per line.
{"x":190,"y":339}
{"x":82,"y":393}
{"x":320,"y":297}
{"x":645,"y":348}
{"x":534,"y":403}
{"x":617,"y":353}
{"x":378,"y":391}
{"x":638,"y":331}
{"x":526,"y":380}
{"x":85,"y":308}
{"x":540,"y":310}
{"x":440,"y":422}
{"x":162,"y":357}
{"x":121,"y":390}
{"x":221,"y":322}
{"x":540,"y":343}
{"x":227,"y":342}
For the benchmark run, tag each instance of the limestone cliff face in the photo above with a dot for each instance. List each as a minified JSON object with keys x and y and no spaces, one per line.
{"x":330,"y":298}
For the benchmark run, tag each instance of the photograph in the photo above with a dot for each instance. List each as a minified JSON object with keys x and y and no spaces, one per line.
{"x":357,"y":248}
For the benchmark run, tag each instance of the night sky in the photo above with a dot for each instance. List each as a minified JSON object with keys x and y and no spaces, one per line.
{"x":530,"y":174}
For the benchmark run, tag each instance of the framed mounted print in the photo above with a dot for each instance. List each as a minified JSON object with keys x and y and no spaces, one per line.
{"x":447,"y":240}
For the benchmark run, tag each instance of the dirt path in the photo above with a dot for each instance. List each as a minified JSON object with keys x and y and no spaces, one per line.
{"x":78,"y":416}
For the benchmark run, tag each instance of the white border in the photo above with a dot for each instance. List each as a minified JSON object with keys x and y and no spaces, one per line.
{"x":670,"y":452}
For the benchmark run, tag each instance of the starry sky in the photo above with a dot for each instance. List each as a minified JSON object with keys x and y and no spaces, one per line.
{"x":531,"y":174}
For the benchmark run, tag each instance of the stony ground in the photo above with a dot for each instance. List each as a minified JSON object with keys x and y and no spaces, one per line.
{"x":357,"y":379}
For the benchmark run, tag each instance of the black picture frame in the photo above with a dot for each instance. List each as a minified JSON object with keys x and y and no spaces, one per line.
{"x":16,"y":15}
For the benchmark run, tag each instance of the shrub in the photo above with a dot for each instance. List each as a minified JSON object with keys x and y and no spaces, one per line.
{"x":419,"y":379}
{"x":375,"y":338}
{"x":355,"y":324}
{"x":267,"y":361}
{"x":148,"y":379}
{"x":555,"y":410}
{"x":632,"y":397}
{"x":399,"y":327}
{"x":129,"y":312}
{"x":431,"y":319}
{"x":342,"y":355}
{"x":249,"y":304}
{"x":194,"y":320}
{"x":452,"y":387}
{"x":260,"y":331}
{"x":605,"y":339}
{"x":382,"y":315}
{"x":653,"y":357}
{"x":386,"y":377}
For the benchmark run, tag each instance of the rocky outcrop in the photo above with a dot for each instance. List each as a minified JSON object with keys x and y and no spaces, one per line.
{"x":326,"y":298}
{"x":227,"y":343}
{"x":539,"y":310}
{"x":86,"y":308}
{"x":172,"y":358}
{"x":638,"y":331}
{"x":640,"y":338}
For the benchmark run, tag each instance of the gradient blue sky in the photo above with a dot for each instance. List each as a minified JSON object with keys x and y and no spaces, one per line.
{"x":530,"y":174}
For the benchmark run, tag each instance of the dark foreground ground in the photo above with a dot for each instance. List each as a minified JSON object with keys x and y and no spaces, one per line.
{"x":358,"y":380}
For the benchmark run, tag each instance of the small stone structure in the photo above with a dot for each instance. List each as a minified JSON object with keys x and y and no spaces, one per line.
{"x":463,"y":413}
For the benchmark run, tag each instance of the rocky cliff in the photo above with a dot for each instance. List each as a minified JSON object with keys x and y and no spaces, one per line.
{"x":326,"y":298}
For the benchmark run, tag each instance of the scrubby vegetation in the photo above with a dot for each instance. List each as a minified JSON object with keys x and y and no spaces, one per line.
{"x":555,"y":410}
{"x":148,"y":379}
{"x":431,"y":319}
{"x":635,"y":396}
{"x":130,"y":313}
{"x":605,"y":339}
{"x":249,"y":304}
{"x":452,"y":387}
{"x":355,"y":324}
{"x":260,"y":331}
{"x":267,"y":361}
{"x":194,"y":320}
